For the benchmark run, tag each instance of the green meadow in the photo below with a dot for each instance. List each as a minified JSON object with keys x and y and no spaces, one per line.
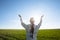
{"x":46,"y":34}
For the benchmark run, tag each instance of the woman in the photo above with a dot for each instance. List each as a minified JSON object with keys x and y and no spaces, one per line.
{"x":31,"y":29}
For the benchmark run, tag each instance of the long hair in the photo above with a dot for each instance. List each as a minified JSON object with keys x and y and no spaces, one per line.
{"x":32,"y":30}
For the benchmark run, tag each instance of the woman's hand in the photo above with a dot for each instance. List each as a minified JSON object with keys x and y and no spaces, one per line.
{"x":42,"y":16}
{"x":19,"y":16}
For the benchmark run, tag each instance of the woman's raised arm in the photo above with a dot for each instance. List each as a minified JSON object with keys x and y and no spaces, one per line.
{"x":22,"y":23}
{"x":40,"y":21}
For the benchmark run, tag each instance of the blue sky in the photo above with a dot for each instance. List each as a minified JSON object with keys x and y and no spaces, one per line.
{"x":9,"y":10}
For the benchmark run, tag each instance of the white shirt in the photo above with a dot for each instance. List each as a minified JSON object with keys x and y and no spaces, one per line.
{"x":28,"y":27}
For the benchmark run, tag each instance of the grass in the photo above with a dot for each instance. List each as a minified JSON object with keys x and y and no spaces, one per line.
{"x":53,"y":34}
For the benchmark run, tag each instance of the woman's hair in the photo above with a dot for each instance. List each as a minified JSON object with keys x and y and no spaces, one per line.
{"x":32,"y":30}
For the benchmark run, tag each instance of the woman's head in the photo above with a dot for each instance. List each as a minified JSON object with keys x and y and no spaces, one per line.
{"x":32,"y":20}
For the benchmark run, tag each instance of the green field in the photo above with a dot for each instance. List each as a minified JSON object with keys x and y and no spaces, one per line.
{"x":53,"y":34}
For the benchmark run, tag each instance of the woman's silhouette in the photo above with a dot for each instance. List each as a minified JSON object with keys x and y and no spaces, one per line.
{"x":31,"y":29}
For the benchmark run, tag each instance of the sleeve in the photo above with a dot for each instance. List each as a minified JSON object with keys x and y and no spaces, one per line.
{"x":38,"y":26}
{"x":23,"y":24}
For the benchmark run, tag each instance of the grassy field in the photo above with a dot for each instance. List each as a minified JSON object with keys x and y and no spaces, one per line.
{"x":53,"y":34}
